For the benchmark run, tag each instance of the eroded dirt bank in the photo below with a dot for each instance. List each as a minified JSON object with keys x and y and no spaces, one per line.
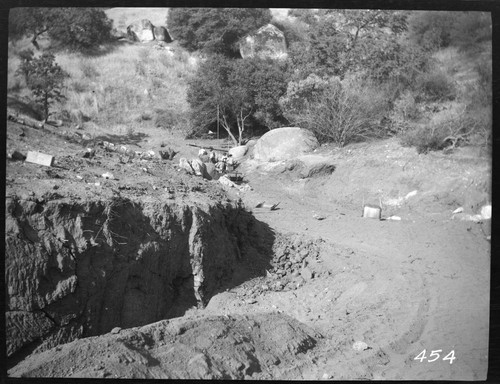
{"x":77,"y":269}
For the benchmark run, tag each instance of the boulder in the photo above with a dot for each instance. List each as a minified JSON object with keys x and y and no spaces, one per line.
{"x":118,"y":35}
{"x":284,"y":144}
{"x":200,"y":168}
{"x":238,"y":152}
{"x":267,"y":42}
{"x":142,"y":31}
{"x":161,"y":34}
{"x":184,"y":164}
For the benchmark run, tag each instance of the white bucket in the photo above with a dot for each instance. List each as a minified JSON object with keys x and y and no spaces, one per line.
{"x":372,"y":211}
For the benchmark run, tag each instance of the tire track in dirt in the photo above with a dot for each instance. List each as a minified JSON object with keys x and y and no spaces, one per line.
{"x":421,"y":252}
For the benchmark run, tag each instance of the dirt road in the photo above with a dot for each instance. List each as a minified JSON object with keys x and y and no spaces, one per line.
{"x":402,"y":287}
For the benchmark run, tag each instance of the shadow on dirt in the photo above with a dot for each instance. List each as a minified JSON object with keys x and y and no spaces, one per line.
{"x":253,"y":242}
{"x":255,"y":246}
{"x":24,"y":106}
{"x":134,"y":138}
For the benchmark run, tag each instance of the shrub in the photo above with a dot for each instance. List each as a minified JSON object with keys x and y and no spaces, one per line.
{"x":425,"y":138}
{"x":437,"y":29}
{"x":470,"y":29}
{"x":452,"y":128}
{"x":435,"y":86}
{"x":88,"y":69}
{"x":171,"y":119}
{"x":405,"y":110}
{"x":337,"y":111}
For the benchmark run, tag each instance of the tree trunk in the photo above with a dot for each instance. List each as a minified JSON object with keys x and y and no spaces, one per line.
{"x":227,"y":127}
{"x":34,"y":42}
{"x":46,"y":107}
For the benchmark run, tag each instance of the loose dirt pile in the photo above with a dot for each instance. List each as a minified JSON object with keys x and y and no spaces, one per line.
{"x":199,"y":347}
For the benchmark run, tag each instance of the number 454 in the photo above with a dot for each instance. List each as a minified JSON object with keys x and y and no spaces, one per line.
{"x":435,"y":356}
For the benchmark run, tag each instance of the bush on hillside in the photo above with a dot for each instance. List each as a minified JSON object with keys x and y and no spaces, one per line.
{"x":435,"y":86}
{"x":404,"y":111}
{"x":336,"y":111}
{"x":450,"y":129}
{"x":44,"y":77}
{"x":438,"y":29}
{"x":170,"y":119}
{"x":340,"y":41}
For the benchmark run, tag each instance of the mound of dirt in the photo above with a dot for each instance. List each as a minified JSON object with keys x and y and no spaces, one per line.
{"x":214,"y":347}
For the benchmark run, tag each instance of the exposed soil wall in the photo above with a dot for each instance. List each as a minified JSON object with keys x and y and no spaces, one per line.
{"x":77,"y":269}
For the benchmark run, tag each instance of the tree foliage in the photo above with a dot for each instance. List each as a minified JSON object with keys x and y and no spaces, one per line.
{"x":80,"y":28}
{"x":215,"y":30}
{"x":76,"y":28}
{"x":30,"y":22}
{"x":341,"y":41}
{"x":437,"y":29}
{"x":240,"y":93}
{"x":44,"y":77}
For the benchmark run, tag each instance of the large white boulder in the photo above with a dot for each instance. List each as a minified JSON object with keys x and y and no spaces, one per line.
{"x":141,"y":30}
{"x":267,"y":42}
{"x":284,"y":144}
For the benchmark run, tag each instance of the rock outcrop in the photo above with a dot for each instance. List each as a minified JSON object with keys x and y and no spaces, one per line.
{"x":284,"y":144}
{"x":76,"y":269}
{"x":161,"y":34}
{"x":267,"y":42}
{"x":144,"y":31}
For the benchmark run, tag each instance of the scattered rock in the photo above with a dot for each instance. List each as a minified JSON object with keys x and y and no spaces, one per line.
{"x":319,"y":217}
{"x":306,"y":273}
{"x":184,"y":164}
{"x":360,"y":346}
{"x":16,"y":155}
{"x":237,"y":153}
{"x":458,"y":210}
{"x":116,"y":330}
{"x":394,"y":218}
{"x":411,"y":194}
{"x":89,"y":153}
{"x":108,"y":175}
{"x":486,"y":212}
{"x":200,"y":168}
{"x":224,"y":180}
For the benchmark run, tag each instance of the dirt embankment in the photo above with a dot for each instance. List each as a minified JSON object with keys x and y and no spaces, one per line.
{"x":256,"y":346}
{"x":77,"y":269}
